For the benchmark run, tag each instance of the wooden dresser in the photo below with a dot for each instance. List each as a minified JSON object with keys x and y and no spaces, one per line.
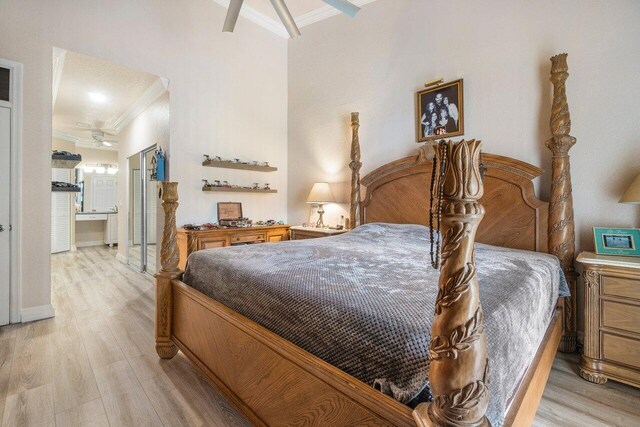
{"x":190,"y":241}
{"x":611,"y":319}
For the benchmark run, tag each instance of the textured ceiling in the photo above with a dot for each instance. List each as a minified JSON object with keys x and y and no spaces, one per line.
{"x":296,"y":7}
{"x":82,"y":75}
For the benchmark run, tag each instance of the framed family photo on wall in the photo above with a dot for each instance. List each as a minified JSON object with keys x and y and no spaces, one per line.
{"x":439,"y":112}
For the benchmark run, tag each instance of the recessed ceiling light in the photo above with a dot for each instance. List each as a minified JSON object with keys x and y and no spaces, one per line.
{"x":97,"y":97}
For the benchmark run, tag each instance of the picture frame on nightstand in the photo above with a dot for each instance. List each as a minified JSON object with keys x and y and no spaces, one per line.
{"x":617,"y":241}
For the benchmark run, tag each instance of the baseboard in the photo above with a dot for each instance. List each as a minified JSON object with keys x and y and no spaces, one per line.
{"x":30,"y":314}
{"x":122,"y":258}
{"x":90,"y":243}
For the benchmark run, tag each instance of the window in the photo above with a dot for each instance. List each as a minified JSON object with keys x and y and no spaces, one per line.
{"x":4,"y":84}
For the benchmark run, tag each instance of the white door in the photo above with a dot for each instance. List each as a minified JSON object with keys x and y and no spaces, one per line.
{"x":104,"y":193}
{"x":5,"y":159}
{"x":60,"y":213}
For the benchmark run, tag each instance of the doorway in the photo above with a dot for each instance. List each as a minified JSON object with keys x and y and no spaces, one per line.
{"x":104,"y":115}
{"x":142,"y":212}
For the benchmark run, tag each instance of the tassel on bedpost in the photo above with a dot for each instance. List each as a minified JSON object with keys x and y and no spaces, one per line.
{"x":458,"y":370}
{"x":169,"y":258}
{"x":355,"y":166}
{"x":561,"y":222}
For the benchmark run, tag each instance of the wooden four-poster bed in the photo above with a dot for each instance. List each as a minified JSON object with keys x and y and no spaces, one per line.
{"x":486,"y":198}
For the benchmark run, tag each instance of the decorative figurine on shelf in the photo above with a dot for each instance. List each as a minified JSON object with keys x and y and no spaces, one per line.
{"x":266,"y":164}
{"x":236,"y":160}
{"x":281,"y":222}
{"x":206,"y":159}
{"x":206,"y":183}
{"x":218,"y":159}
{"x":217,"y":183}
{"x":271,"y":222}
{"x":226,"y":184}
{"x":256,"y":186}
{"x":157,"y":165}
{"x":266,"y":187}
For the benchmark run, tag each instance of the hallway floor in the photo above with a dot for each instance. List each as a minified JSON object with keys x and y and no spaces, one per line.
{"x":95,"y":363}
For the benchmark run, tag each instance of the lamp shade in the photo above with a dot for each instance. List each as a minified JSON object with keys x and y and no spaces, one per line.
{"x":321,"y":193}
{"x":632,"y":195}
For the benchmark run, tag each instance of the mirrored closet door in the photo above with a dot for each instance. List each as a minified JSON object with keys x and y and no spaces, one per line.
{"x":142,"y":212}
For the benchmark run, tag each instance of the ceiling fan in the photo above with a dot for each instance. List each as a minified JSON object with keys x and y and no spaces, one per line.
{"x":289,"y":23}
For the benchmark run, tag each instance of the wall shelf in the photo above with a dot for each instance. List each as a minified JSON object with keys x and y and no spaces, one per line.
{"x":61,"y":161}
{"x":242,"y":166}
{"x":65,"y":189}
{"x":238,"y":190}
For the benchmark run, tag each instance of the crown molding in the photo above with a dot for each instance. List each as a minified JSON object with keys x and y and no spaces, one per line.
{"x":323,"y":13}
{"x":65,"y":136}
{"x":58,"y":65}
{"x":256,"y":17}
{"x":152,"y":93}
{"x":304,"y":20}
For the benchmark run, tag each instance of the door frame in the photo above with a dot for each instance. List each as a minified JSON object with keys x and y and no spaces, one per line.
{"x":15,"y":185}
{"x":143,"y":195}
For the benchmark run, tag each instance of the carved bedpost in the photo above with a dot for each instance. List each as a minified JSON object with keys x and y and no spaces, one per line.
{"x":355,"y":166}
{"x":561,"y":223}
{"x":169,"y":258}
{"x":458,"y":370}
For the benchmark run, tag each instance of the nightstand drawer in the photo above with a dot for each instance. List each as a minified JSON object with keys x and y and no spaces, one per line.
{"x":621,"y":316}
{"x":621,"y":286}
{"x":621,"y":350}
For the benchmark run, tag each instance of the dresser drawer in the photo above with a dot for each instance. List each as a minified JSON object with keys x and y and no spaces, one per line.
{"x":212,"y":242}
{"x":621,"y":286}
{"x":621,"y":350}
{"x":621,"y":316}
{"x":249,"y":238}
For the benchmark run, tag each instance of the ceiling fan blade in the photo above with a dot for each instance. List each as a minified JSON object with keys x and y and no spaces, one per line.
{"x":344,"y":6}
{"x":286,"y":18}
{"x":232,"y":16}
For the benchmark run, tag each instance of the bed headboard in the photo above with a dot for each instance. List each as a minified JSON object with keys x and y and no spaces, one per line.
{"x":398,"y":192}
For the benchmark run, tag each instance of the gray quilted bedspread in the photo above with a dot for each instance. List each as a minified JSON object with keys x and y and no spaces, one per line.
{"x":364,"y":301}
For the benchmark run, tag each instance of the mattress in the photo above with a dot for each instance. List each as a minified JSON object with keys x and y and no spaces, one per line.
{"x":364,"y":302}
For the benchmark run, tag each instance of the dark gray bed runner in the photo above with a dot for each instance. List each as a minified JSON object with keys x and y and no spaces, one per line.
{"x":363,"y":302}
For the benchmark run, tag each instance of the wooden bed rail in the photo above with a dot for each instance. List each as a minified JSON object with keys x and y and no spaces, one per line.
{"x":458,"y":350}
{"x":169,"y":258}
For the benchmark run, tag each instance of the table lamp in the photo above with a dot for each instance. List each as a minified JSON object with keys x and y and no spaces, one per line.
{"x":632,"y":195}
{"x":321,"y":193}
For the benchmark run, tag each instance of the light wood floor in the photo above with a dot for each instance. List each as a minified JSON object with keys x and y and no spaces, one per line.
{"x":94,"y":364}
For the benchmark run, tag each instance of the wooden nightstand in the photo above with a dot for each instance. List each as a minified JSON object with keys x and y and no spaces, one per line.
{"x":611,"y":319}
{"x":299,"y":232}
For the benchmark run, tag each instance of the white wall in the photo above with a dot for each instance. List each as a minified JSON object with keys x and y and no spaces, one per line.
{"x":374,"y":64}
{"x":228,"y":92}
